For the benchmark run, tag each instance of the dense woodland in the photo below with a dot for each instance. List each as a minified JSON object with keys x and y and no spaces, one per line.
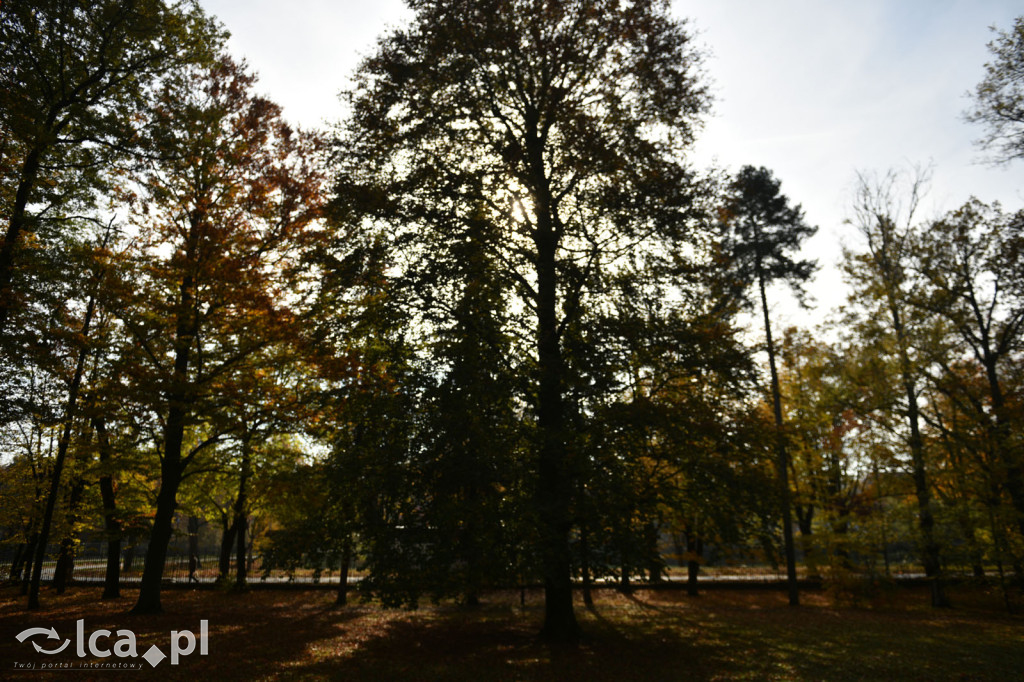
{"x":493,"y":329}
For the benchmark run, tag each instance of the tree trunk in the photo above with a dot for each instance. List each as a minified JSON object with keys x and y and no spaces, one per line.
{"x":111,"y":524}
{"x":782,"y":455}
{"x":555,"y":484}
{"x":15,"y":227}
{"x":926,"y":521}
{"x":227,"y":543}
{"x":694,"y":552}
{"x":129,"y":559}
{"x":193,"y":548}
{"x":1008,"y":454}
{"x":26,"y":571}
{"x":65,"y":568}
{"x":346,"y":561}
{"x":805,"y":522}
{"x":655,"y":564}
{"x":624,"y":585}
{"x":241,"y":513}
{"x":58,"y":463}
{"x":588,"y":598}
{"x":65,"y":565}
{"x":172,"y":466}
{"x":156,"y":554}
{"x":17,"y":563}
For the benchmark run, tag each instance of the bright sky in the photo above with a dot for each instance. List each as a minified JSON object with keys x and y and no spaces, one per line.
{"x":815,"y":90}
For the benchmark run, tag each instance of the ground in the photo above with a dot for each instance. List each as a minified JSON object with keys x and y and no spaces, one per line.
{"x":649,"y":635}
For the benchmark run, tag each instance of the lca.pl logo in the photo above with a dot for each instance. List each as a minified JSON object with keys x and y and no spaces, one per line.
{"x":98,"y":644}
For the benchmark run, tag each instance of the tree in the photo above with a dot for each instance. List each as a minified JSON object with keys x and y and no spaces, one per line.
{"x":762,"y":230}
{"x":223,"y":208}
{"x":971,"y":262}
{"x":74,"y":77}
{"x":567,"y":121}
{"x":830,"y":471}
{"x":999,"y":97}
{"x":69,"y":416}
{"x":883,"y":282}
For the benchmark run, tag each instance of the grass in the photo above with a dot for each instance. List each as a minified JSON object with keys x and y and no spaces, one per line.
{"x":650,"y":635}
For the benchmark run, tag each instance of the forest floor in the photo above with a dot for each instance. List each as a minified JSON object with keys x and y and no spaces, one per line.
{"x":648,"y":635}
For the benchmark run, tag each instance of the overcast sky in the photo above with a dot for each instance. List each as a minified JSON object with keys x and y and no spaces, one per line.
{"x":815,"y":90}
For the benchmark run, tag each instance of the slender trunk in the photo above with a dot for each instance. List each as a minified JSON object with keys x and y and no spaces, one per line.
{"x":655,"y":564}
{"x":694,"y":553}
{"x":30,"y":552}
{"x":227,"y":543}
{"x":805,"y":522}
{"x":129,"y":559}
{"x":241,"y":513}
{"x":193,"y":548}
{"x":58,"y":463}
{"x":66,"y":558}
{"x":111,"y":524}
{"x":782,"y":455}
{"x":588,"y":598}
{"x":65,"y":565}
{"x":624,"y":585}
{"x":242,"y":523}
{"x":1008,"y":454}
{"x":346,"y":561}
{"x":926,"y":521}
{"x":14,"y":575}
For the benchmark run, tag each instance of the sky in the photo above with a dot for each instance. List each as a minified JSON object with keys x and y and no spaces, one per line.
{"x":814,"y":90}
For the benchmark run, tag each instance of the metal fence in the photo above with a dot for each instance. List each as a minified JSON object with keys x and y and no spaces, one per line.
{"x":90,"y":568}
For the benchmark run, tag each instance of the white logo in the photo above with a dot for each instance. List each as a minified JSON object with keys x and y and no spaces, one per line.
{"x":98,"y":644}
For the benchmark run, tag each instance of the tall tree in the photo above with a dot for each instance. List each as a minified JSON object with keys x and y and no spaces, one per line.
{"x":567,"y":120}
{"x":762,"y":231}
{"x":999,"y":97}
{"x":971,"y":261}
{"x":223,"y":208}
{"x":883,"y":281}
{"x":74,"y":76}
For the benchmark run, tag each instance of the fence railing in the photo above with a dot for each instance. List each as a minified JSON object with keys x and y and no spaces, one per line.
{"x":179,"y":569}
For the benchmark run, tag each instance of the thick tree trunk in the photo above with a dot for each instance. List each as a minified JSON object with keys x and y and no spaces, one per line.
{"x":172,"y":466}
{"x":555,"y":481}
{"x":782,"y":455}
{"x":160,"y":537}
